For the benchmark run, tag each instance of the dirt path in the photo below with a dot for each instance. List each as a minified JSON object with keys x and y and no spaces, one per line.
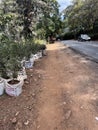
{"x":68,"y":92}
{"x":50,"y":114}
{"x":61,"y":93}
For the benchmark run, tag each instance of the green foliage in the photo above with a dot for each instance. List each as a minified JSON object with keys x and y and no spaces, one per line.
{"x":9,"y":58}
{"x":81,"y":15}
{"x":50,"y":23}
{"x":39,"y":41}
{"x":37,"y":13}
{"x":95,"y":26}
{"x":19,"y":18}
{"x":42,"y":47}
{"x":3,"y":60}
{"x":13,"y":66}
{"x":20,"y":22}
{"x":67,"y":36}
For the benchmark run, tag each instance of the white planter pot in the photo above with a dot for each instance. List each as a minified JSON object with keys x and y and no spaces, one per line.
{"x":2,"y":86}
{"x":29,"y":64}
{"x":36,"y":57}
{"x":39,"y":54}
{"x":32,"y":60}
{"x":32,"y":55}
{"x":22,"y":74}
{"x":15,"y":89}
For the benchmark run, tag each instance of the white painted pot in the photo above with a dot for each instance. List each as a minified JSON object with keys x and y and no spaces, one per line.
{"x":32,"y":60}
{"x":36,"y":57}
{"x":2,"y":86}
{"x":22,"y":74}
{"x":39,"y":54}
{"x":15,"y":89}
{"x":29,"y":64}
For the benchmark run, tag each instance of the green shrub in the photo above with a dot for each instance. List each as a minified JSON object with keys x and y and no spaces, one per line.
{"x":67,"y":36}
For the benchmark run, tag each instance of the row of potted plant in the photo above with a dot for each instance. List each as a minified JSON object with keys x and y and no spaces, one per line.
{"x":14,"y":58}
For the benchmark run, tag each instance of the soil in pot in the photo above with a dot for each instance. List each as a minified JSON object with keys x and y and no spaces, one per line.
{"x":13,"y":82}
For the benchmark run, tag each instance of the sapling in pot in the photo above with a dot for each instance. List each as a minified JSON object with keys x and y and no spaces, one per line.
{"x":14,"y":66}
{"x":43,"y":48}
{"x":28,"y":50}
{"x":14,"y":86}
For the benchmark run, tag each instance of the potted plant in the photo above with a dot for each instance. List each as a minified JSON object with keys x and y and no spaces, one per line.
{"x":43,"y":48}
{"x":28,"y":52}
{"x":14,"y":85}
{"x":13,"y":66}
{"x":35,"y":51}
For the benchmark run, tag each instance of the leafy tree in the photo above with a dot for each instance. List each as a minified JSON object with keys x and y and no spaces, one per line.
{"x":82,"y":14}
{"x":50,"y":23}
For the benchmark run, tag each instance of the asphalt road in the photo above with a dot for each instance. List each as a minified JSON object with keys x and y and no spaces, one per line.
{"x":88,"y":48}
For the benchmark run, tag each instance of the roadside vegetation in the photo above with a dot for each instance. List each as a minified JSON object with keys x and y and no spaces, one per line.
{"x":81,"y":17}
{"x":25,"y":28}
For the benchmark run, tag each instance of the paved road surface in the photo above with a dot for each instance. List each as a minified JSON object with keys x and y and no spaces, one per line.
{"x":89,"y":49}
